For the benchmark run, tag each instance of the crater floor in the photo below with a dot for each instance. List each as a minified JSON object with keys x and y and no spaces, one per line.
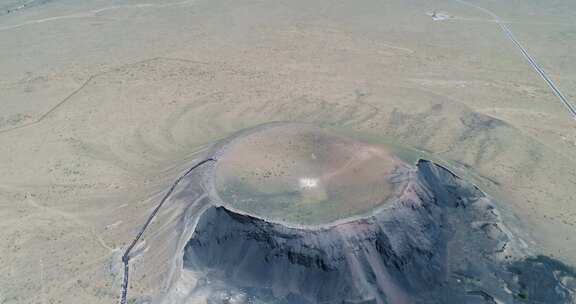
{"x":303,"y":174}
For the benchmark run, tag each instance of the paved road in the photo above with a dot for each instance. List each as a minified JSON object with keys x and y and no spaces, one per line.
{"x":571,"y":108}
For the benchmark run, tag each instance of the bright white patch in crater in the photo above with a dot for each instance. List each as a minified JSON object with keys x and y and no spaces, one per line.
{"x":308,"y":183}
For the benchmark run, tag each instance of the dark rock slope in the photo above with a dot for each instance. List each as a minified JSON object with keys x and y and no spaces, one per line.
{"x":441,"y":241}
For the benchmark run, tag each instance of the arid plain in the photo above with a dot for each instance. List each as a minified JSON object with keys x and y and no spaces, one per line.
{"x":104,"y":103}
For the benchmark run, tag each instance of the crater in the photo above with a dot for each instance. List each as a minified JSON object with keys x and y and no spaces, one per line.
{"x":304,"y":175}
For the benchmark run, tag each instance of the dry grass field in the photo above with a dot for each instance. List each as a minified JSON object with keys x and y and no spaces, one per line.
{"x":104,"y":103}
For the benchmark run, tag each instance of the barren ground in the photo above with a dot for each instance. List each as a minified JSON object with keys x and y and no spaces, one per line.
{"x":104,"y":103}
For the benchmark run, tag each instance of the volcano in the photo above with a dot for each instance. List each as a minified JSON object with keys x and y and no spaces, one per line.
{"x":297,"y":214}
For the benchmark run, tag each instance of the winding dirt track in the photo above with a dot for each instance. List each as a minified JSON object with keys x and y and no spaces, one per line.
{"x":126,"y":256}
